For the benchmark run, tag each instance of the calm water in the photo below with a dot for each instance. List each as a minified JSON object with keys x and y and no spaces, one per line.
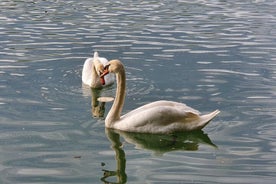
{"x":207,"y":54}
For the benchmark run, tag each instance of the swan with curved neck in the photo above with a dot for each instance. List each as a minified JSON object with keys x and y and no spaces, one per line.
{"x":156,"y":117}
{"x":92,"y":69}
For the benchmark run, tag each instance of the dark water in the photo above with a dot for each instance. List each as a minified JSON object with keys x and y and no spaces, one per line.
{"x":207,"y":54}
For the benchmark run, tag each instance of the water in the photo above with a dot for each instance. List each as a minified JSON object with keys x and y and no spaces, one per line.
{"x":207,"y":54}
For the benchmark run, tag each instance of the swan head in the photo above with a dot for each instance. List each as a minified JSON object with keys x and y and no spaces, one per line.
{"x":113,"y":66}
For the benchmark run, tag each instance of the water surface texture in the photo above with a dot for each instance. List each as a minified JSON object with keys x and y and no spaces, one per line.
{"x":208,"y":54}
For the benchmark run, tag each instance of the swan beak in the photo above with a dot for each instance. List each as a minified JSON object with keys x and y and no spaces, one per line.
{"x":102,"y":74}
{"x":105,"y":71}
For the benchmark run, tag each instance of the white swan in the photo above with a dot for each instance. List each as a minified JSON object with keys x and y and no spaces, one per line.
{"x":155,"y":117}
{"x":91,"y":72}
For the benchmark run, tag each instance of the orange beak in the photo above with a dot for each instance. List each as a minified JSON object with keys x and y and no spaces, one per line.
{"x":105,"y":72}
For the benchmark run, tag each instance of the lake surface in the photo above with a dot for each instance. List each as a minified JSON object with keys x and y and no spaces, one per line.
{"x":207,"y":54}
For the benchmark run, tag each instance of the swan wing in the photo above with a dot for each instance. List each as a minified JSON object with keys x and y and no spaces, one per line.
{"x":153,"y":118}
{"x":163,"y":103}
{"x":103,"y":60}
{"x":87,"y":71}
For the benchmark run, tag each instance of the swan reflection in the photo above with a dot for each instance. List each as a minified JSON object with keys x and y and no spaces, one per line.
{"x":157,"y":143}
{"x":97,"y":107}
{"x":116,"y":145}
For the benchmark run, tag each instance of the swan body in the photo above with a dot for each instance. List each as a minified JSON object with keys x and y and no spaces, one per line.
{"x":91,"y":72}
{"x":156,"y":117}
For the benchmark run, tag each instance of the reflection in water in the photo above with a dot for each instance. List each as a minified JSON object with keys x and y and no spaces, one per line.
{"x":199,"y":52}
{"x":162,"y":143}
{"x":97,"y":108}
{"x":158,"y":143}
{"x":116,"y":145}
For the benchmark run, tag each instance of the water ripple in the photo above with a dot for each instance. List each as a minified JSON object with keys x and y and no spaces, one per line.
{"x":208,"y":54}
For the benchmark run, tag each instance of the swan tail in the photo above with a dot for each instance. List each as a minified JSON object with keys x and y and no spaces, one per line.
{"x":205,"y":119}
{"x":96,"y":55}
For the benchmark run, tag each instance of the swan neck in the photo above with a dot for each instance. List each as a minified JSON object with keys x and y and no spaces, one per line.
{"x":94,"y":75}
{"x":116,"y":109}
{"x":95,"y":78}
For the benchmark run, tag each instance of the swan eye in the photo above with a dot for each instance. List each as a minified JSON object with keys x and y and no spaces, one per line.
{"x":106,"y":67}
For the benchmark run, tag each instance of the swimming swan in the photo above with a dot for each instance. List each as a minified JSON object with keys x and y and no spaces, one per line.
{"x":91,"y":72}
{"x":156,"y":117}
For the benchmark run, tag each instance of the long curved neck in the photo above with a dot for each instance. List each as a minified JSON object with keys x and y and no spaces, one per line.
{"x":116,"y":109}
{"x":95,"y":78}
